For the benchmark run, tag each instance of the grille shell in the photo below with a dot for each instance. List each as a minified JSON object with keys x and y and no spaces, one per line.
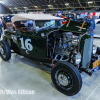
{"x":87,"y":52}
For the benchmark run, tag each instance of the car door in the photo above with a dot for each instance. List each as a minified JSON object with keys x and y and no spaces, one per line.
{"x":32,"y":44}
{"x":40,"y":44}
{"x":26,"y":43}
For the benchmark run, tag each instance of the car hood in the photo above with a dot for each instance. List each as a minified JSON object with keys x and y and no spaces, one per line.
{"x":73,"y":25}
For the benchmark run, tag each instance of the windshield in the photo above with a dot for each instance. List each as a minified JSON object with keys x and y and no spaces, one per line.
{"x":66,"y":15}
{"x":69,"y":15}
{"x":47,"y":23}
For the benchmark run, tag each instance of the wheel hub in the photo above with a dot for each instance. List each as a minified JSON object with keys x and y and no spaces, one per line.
{"x":1,"y":50}
{"x":63,"y":79}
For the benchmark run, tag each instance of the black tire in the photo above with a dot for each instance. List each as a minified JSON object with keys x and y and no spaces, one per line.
{"x":72,"y":76}
{"x":6,"y":54}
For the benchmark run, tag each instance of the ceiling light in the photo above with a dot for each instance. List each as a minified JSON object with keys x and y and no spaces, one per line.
{"x":24,"y":7}
{"x":36,"y":6}
{"x":90,"y":2}
{"x":9,"y":8}
{"x":49,"y":5}
{"x":66,"y":4}
{"x":15,"y":8}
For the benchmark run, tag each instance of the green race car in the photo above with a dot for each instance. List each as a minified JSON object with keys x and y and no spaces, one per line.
{"x":67,"y":47}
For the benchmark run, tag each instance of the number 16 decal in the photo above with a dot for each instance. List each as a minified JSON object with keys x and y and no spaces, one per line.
{"x":27,"y":46}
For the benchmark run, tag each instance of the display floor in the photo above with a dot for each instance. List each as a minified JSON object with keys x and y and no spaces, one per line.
{"x":20,"y":73}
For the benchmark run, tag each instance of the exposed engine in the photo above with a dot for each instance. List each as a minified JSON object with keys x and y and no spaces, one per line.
{"x":62,"y":46}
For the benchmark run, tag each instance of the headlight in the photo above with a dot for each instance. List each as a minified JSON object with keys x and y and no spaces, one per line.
{"x":77,"y":58}
{"x":94,"y":49}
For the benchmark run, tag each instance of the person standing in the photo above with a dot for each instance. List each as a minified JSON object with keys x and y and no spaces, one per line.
{"x":58,"y":22}
{"x":92,"y":23}
{"x":59,"y":14}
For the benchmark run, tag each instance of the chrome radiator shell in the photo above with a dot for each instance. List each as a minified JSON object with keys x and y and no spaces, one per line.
{"x":87,"y":53}
{"x":85,"y":48}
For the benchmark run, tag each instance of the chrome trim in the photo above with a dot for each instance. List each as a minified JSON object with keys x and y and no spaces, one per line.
{"x":62,"y":80}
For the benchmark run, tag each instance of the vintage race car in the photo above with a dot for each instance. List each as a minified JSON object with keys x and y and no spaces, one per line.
{"x":67,"y":48}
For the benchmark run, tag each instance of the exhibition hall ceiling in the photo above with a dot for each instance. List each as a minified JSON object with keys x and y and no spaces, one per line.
{"x":50,"y":4}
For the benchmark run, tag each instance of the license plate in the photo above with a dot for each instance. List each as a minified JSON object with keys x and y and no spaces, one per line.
{"x":96,"y":63}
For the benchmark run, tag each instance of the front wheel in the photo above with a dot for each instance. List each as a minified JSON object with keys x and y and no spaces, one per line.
{"x":5,"y":51}
{"x":66,"y":78}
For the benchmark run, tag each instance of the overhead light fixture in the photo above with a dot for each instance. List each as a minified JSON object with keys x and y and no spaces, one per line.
{"x":49,"y":5}
{"x":66,"y":4}
{"x":36,"y":6}
{"x":90,"y":2}
{"x":24,"y":7}
{"x":15,"y":8}
{"x":9,"y":8}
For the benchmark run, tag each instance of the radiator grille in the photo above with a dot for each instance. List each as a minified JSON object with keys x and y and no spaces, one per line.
{"x":87,"y":52}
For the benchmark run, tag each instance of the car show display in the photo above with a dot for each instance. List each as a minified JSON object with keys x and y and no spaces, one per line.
{"x":67,"y":47}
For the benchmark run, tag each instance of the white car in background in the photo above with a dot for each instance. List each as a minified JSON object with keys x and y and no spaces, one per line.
{"x":97,"y":28}
{"x":97,"y":21}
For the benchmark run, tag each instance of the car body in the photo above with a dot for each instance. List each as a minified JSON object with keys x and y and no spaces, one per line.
{"x":43,"y":38}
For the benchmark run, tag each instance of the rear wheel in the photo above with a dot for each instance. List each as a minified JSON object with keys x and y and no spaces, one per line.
{"x":5,"y":51}
{"x":66,"y":78}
